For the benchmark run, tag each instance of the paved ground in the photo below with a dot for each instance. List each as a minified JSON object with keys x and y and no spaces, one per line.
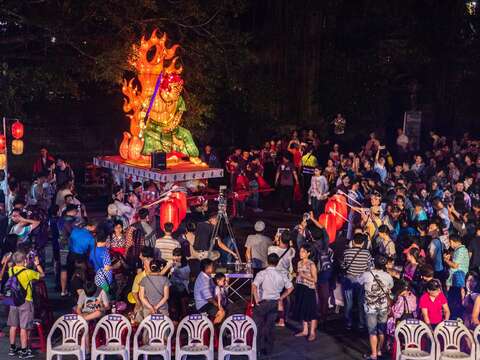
{"x":332,"y":343}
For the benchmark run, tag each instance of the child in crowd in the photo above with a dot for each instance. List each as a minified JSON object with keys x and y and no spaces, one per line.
{"x":92,"y":301}
{"x":221,"y":291}
{"x":433,"y":304}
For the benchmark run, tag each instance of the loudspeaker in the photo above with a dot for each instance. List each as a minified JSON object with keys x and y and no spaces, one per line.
{"x":159,"y":160}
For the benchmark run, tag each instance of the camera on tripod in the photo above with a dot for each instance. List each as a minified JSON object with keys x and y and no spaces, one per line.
{"x":222,"y":199}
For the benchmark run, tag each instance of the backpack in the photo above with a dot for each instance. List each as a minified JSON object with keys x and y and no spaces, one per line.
{"x":15,"y":294}
{"x":324,"y":261}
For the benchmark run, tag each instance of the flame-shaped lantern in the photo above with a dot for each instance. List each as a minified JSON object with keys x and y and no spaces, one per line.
{"x":17,"y":130}
{"x":124,"y":145}
{"x":17,"y":147}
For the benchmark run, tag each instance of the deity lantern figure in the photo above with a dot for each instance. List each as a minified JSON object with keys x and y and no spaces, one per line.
{"x":155,"y":105}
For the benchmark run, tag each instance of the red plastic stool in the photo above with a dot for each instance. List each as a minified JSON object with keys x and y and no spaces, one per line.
{"x":37,"y":338}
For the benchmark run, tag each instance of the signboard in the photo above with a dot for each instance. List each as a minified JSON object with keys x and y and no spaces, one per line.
{"x":412,"y":126}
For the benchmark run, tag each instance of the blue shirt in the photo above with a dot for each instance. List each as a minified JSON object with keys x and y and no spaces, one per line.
{"x":81,"y":241}
{"x":436,"y":248}
{"x":100,"y":257}
{"x":204,"y":290}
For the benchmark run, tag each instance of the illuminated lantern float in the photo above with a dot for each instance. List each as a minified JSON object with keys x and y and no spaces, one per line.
{"x":155,"y":108}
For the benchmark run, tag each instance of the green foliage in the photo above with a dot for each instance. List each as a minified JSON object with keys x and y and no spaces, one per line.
{"x":54,"y":49}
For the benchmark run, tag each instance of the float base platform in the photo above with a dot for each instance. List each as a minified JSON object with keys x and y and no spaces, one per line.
{"x":177,"y":172}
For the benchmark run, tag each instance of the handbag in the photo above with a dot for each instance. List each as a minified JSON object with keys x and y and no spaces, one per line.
{"x":407,"y":314}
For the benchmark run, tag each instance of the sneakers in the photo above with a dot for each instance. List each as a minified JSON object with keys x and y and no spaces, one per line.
{"x":13,"y":350}
{"x":25,"y":354}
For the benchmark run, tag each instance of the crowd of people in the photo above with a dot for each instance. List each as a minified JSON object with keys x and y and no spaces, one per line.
{"x":410,"y":246}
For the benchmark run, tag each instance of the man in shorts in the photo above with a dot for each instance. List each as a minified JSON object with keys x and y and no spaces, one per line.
{"x":22,"y":316}
{"x":377,"y":284}
{"x":204,"y":293}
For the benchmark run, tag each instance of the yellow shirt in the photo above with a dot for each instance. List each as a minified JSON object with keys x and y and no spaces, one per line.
{"x":25,"y":279}
{"x":309,"y":160}
{"x":136,"y":282}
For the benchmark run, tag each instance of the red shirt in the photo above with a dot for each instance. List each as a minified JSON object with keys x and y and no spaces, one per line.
{"x":434,"y":308}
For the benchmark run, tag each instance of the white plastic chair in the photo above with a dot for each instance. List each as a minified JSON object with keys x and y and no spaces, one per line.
{"x":159,"y":331}
{"x":114,"y":327}
{"x":195,"y":326}
{"x":239,"y":326}
{"x":74,"y":330}
{"x":476,"y":334}
{"x":412,"y":332}
{"x":448,"y":338}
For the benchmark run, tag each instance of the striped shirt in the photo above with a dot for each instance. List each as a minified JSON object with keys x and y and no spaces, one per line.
{"x":165,"y":246}
{"x":356,"y":261}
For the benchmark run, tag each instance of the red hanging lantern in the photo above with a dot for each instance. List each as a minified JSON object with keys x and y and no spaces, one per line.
{"x":3,"y":142}
{"x":17,"y":130}
{"x":328,"y":221}
{"x":337,"y":206}
{"x":181,"y":200}
{"x":169,"y":213}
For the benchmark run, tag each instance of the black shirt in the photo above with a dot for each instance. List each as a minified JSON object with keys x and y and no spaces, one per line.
{"x":474,"y":248}
{"x":203,"y":234}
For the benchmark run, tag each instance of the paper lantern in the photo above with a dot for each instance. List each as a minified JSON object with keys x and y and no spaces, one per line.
{"x":3,"y":161}
{"x":328,"y":221}
{"x":181,"y":199}
{"x":17,"y":147}
{"x":169,"y":213}
{"x":135,"y":148}
{"x":17,"y":130}
{"x":3,"y":142}
{"x":337,"y":206}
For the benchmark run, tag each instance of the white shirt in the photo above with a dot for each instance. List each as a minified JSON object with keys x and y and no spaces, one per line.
{"x":285,"y":265}
{"x":270,"y":283}
{"x":125,"y":210}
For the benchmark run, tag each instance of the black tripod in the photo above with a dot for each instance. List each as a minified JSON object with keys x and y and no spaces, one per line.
{"x":222,"y":216}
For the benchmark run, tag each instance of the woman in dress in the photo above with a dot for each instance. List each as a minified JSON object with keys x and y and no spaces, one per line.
{"x":100,"y":259}
{"x":305,"y":307}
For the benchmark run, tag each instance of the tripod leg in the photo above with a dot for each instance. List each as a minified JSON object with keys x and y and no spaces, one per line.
{"x":215,"y":230}
{"x":232,"y":236}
